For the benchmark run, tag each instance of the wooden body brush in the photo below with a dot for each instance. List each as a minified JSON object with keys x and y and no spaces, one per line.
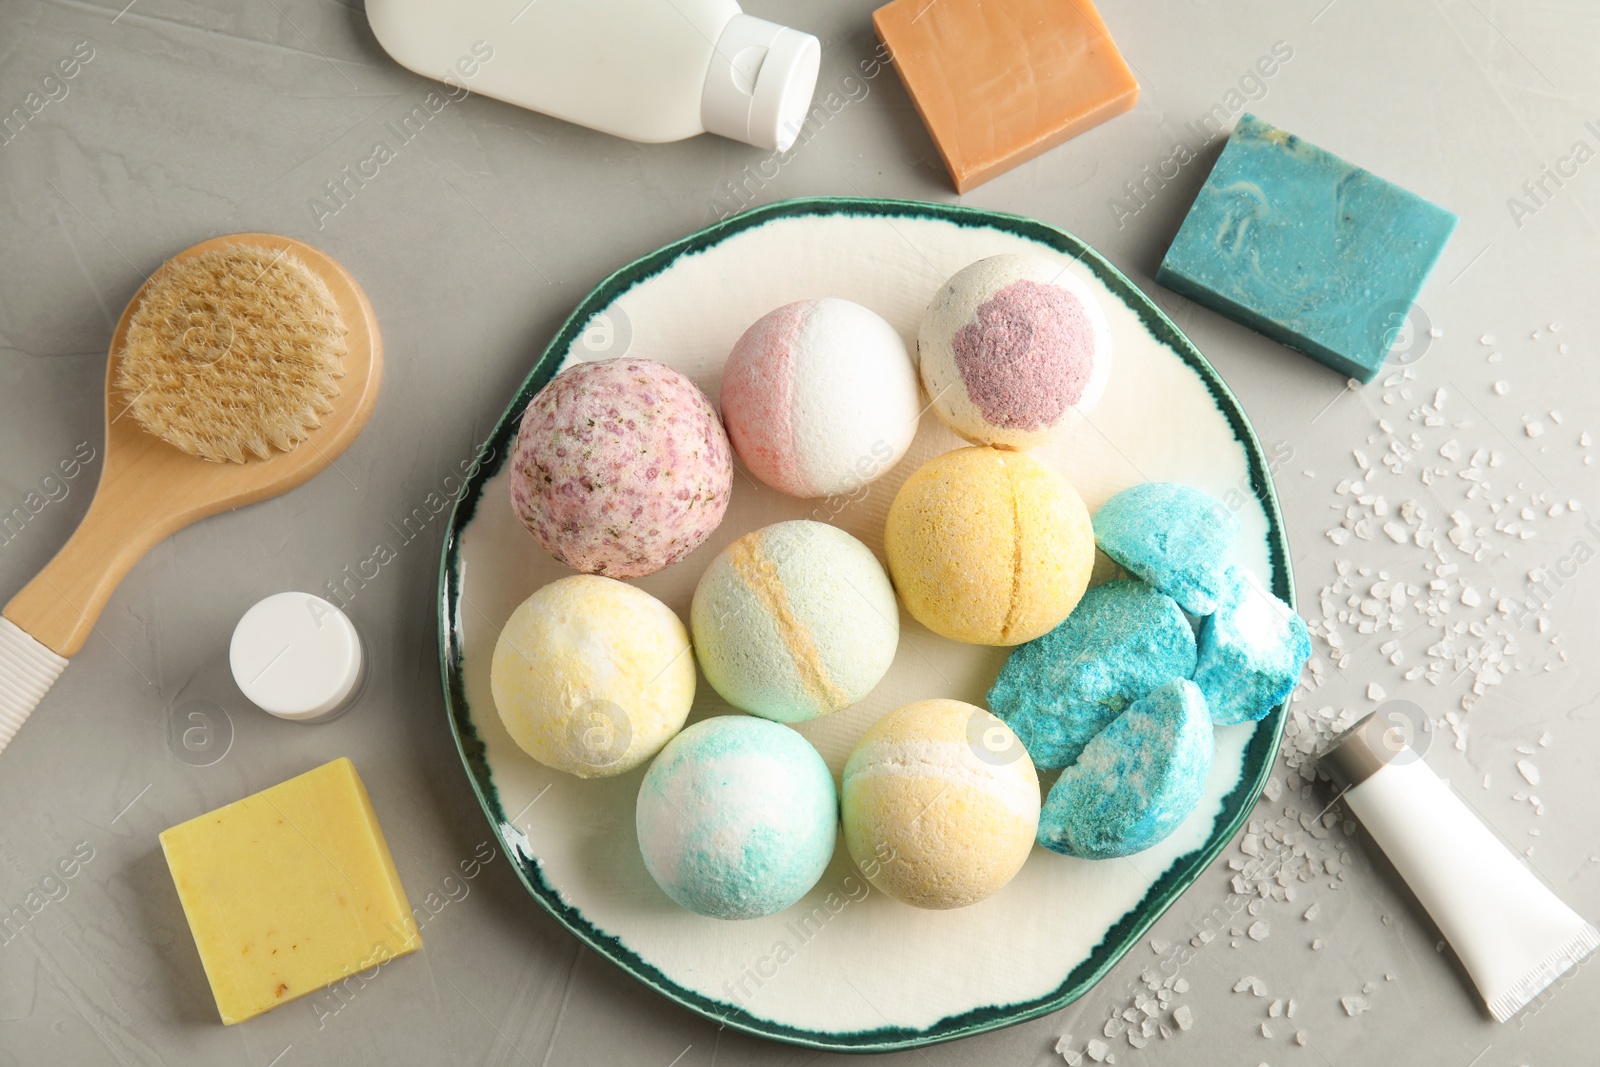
{"x":241,"y":368}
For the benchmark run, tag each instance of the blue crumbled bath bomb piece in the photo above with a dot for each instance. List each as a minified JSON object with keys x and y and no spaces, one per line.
{"x":1310,"y":250}
{"x":1123,"y":640}
{"x":1136,"y":781}
{"x":1252,"y":650}
{"x":1174,"y":537}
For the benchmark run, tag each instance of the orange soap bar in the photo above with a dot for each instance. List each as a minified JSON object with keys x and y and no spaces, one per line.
{"x":999,"y":81}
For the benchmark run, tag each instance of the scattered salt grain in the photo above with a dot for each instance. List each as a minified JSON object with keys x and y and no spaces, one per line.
{"x":1354,"y":1006}
{"x":1528,"y":771}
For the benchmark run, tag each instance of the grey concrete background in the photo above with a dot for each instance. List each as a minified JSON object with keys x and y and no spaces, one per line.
{"x":473,"y":242}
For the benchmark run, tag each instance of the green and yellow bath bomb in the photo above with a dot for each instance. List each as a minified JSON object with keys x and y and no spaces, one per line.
{"x":592,"y":676}
{"x":795,"y":620}
{"x":940,"y":804}
{"x":988,"y":547}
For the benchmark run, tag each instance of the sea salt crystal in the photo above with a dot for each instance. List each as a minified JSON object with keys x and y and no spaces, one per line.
{"x":1502,"y":388}
{"x":1097,"y":1050}
{"x":1183,"y":1017}
{"x":1528,"y":771}
{"x":1354,"y":1006}
{"x":1258,"y":931}
{"x":1534,"y":429}
{"x":1312,"y":912}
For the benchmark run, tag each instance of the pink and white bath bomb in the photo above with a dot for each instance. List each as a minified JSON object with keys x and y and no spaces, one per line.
{"x":621,"y":467}
{"x":1009,"y":346}
{"x":820,"y":397}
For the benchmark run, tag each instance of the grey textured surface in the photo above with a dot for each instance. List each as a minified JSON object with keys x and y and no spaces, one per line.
{"x":474,"y":241}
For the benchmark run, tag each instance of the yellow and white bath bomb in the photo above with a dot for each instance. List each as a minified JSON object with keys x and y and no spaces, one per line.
{"x":592,"y":676}
{"x":940,"y":804}
{"x":988,"y":547}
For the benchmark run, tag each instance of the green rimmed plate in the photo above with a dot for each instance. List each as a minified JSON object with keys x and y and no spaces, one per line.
{"x":847,"y":968}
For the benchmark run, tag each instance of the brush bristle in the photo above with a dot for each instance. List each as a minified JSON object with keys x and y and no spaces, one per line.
{"x":233,"y":353}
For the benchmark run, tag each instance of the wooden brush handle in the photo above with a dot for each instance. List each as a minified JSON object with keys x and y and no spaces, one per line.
{"x":60,"y":606}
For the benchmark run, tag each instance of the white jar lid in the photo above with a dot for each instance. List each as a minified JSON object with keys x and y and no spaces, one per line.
{"x":297,"y":656}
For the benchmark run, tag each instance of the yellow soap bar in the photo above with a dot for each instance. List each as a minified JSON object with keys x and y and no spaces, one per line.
{"x":289,"y":890}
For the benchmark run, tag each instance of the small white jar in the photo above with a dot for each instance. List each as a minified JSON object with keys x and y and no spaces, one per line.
{"x":296,"y":656}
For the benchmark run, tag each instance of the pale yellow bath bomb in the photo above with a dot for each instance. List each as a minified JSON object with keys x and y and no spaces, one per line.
{"x":940,"y":804}
{"x":989,"y":547}
{"x":592,"y":676}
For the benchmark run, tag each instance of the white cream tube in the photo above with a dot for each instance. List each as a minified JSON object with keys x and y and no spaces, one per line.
{"x":1511,"y":932}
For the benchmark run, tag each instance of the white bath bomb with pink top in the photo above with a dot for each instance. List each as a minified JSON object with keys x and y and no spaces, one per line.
{"x":820,"y":397}
{"x":1010,"y":346}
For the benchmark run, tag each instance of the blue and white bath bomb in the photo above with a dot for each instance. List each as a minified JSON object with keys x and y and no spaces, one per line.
{"x":795,"y":620}
{"x":1252,"y":650}
{"x":737,"y":817}
{"x":1174,"y":537}
{"x":1136,"y":781}
{"x":1122,"y":641}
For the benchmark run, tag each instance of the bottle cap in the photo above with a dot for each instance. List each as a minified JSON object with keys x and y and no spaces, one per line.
{"x":759,"y":87}
{"x":298,"y":657}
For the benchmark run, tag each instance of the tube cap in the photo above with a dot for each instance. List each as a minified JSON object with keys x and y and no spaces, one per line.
{"x":1363,"y":750}
{"x":298,"y":657}
{"x":759,"y":87}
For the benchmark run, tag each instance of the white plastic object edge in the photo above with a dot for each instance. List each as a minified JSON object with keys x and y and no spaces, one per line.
{"x":27,"y":671}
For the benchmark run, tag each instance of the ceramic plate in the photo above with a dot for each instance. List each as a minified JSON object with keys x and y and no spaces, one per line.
{"x":847,"y":967}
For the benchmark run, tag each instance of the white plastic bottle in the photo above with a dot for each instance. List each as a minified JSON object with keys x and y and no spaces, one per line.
{"x":647,"y":70}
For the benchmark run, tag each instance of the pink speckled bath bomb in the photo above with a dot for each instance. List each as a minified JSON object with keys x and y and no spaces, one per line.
{"x":820,"y":397}
{"x":621,"y":467}
{"x":1009,"y":346}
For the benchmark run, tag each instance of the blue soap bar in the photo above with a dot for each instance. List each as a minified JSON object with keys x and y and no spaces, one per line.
{"x":1136,"y":781}
{"x":1252,"y":650}
{"x":1305,"y":248}
{"x":1174,"y":537}
{"x":1123,"y":640}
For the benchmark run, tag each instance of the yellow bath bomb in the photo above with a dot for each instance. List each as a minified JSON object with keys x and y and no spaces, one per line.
{"x":940,"y":804}
{"x":989,"y":547}
{"x":592,"y":676}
